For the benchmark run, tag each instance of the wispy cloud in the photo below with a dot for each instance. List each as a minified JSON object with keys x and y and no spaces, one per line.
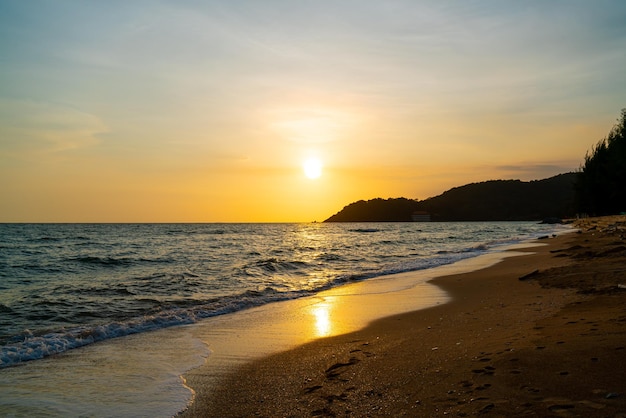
{"x":29,"y":128}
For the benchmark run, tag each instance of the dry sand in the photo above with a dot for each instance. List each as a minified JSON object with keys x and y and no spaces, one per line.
{"x":552,"y":344}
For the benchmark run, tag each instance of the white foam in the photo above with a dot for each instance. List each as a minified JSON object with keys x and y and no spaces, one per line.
{"x":138,"y":375}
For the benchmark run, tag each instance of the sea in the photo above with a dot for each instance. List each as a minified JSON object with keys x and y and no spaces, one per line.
{"x":80,"y":299}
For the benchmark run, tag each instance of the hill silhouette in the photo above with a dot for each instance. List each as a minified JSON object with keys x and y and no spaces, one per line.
{"x":495,"y":200}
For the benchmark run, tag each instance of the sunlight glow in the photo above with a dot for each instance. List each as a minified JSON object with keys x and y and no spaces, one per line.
{"x":310,"y":125}
{"x":321,"y":313}
{"x":209,"y":109}
{"x":312,"y":168}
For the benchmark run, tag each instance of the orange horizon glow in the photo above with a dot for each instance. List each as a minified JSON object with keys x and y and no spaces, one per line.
{"x":207,"y":112}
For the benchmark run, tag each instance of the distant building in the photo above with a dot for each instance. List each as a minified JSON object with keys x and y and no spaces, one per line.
{"x":420,"y":216}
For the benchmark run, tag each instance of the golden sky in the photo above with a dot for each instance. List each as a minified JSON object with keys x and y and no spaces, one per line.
{"x":190,"y":111}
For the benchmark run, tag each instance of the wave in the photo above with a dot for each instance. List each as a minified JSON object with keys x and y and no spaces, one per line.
{"x":164,"y":298}
{"x":34,"y":347}
{"x":113,"y":262}
{"x":273,"y":265}
{"x":472,"y":249}
{"x":46,"y":239}
{"x":365,"y":230}
{"x":330,"y":257}
{"x":101,"y":261}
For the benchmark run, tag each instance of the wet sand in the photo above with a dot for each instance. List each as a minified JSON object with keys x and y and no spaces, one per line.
{"x":542,"y":334}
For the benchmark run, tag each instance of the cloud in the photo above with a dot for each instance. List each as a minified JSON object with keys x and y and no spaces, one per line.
{"x":30,"y":127}
{"x":310,"y":126}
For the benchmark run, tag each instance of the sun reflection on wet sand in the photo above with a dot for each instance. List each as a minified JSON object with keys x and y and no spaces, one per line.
{"x":323,"y":324}
{"x":235,"y":339}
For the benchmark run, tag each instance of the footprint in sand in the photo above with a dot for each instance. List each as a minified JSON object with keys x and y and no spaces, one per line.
{"x":561,"y":407}
{"x":312,"y":389}
{"x":485,"y":409}
{"x":334,"y":371}
{"x":485,"y":371}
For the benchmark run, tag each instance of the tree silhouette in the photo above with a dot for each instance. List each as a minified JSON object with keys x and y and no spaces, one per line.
{"x":601,"y":181}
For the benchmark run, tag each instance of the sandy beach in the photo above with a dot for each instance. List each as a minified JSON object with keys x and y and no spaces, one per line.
{"x":542,"y":334}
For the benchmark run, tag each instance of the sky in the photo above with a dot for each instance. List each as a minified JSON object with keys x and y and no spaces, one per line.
{"x":205,"y":111}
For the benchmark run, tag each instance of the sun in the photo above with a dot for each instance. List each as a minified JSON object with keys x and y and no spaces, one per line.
{"x":312,"y":168}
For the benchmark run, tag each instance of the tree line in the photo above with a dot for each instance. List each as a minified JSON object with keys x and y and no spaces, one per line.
{"x":601,"y":182}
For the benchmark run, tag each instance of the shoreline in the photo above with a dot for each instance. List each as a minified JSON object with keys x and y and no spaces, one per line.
{"x":467,"y":356}
{"x":243,"y":337}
